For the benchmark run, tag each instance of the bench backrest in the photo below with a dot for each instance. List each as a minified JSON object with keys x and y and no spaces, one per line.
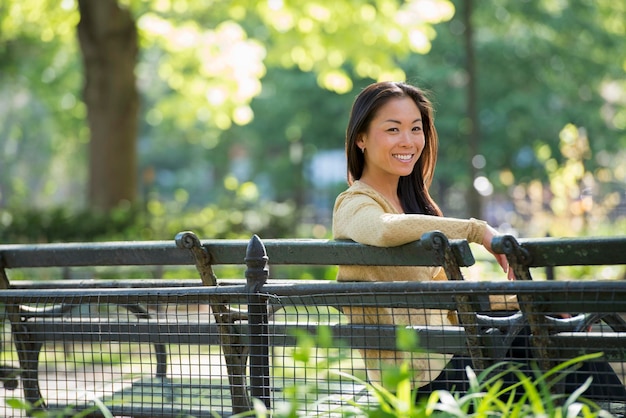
{"x":607,"y":304}
{"x":187,"y":250}
{"x":281,"y":251}
{"x":544,"y":252}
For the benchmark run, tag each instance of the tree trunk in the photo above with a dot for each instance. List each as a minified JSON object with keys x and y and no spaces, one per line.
{"x":473,"y":199}
{"x":108,"y":40}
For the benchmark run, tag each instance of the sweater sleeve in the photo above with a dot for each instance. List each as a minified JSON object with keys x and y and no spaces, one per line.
{"x":362,"y":218}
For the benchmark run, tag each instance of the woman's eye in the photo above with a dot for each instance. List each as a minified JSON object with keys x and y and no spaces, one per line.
{"x":417,"y":128}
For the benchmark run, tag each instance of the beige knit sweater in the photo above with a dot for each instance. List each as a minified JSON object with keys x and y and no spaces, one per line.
{"x":364,"y":215}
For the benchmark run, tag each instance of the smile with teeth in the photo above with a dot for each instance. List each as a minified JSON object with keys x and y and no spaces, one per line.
{"x":403,"y":157}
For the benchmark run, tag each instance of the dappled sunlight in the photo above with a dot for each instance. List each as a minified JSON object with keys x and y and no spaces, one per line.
{"x":276,"y":78}
{"x":573,"y":202}
{"x":228,"y":66}
{"x":388,"y":27}
{"x":337,"y":81}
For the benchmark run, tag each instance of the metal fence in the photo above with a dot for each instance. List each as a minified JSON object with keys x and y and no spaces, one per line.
{"x":170,"y":351}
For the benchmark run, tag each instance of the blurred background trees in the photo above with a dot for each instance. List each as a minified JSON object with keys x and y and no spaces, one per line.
{"x":242,"y":106}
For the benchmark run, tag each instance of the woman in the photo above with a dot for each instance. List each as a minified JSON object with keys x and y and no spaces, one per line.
{"x":391,"y":147}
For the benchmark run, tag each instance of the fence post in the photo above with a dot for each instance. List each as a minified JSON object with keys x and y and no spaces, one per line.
{"x":257,"y":273}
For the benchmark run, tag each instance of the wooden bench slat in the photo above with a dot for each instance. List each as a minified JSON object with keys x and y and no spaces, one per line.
{"x":607,"y":296}
{"x":612,"y":344}
{"x":104,"y":283}
{"x":448,"y":340}
{"x":321,"y":252}
{"x":575,"y":251}
{"x":95,"y":254}
{"x":292,"y":252}
{"x":92,"y":330}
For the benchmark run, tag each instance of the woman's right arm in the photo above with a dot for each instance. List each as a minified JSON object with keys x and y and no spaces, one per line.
{"x":362,"y":219}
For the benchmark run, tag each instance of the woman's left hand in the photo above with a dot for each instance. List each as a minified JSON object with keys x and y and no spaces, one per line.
{"x":490,"y":233}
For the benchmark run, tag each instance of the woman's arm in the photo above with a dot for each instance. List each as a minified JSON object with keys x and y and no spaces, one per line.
{"x":364,"y":220}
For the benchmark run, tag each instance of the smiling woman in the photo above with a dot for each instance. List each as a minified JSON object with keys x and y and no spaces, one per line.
{"x":391,"y":146}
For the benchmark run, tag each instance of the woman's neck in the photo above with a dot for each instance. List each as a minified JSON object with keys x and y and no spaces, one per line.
{"x":388,"y":190}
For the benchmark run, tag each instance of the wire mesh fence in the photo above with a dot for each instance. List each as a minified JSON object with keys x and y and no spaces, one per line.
{"x":316,"y":346}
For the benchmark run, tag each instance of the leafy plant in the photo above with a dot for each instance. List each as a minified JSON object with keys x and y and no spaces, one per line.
{"x":35,"y":411}
{"x":531,"y":396}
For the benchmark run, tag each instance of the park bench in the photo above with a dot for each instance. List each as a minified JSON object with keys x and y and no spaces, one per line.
{"x":598,"y":312}
{"x":46,"y":312}
{"x":50,"y":312}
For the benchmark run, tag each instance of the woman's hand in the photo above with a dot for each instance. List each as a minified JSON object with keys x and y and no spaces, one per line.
{"x":490,"y":233}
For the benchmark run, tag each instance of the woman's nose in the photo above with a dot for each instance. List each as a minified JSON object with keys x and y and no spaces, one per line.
{"x":405,"y":138}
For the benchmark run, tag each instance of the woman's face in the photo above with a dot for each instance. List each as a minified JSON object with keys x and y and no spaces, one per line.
{"x":393,"y":141}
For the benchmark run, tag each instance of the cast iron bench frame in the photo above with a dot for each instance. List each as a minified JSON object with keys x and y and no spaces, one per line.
{"x":553,"y":336}
{"x":433,"y":250}
{"x":485,"y":336}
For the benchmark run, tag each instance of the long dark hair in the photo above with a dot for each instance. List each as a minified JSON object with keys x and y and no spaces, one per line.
{"x":412,"y":189}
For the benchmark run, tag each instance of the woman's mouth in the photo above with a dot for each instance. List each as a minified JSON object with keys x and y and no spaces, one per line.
{"x":403,"y":157}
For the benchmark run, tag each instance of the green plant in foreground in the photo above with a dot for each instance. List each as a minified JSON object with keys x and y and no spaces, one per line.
{"x":488,"y":396}
{"x":68,"y":412}
{"x":530,"y":396}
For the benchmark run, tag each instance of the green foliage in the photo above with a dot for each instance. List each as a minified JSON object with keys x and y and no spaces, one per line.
{"x":235,"y":217}
{"x":539,"y":78}
{"x":570,"y":202}
{"x":324,"y":340}
{"x":487,"y":396}
{"x":541,"y":66}
{"x":60,"y":224}
{"x":200,"y":68}
{"x":41,"y":122}
{"x":35,"y":412}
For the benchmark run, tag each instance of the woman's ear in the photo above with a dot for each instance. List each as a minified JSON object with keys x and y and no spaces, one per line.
{"x":360,"y":141}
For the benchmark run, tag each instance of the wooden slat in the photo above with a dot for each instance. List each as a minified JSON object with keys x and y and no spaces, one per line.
{"x":283,"y":251}
{"x":594,"y":295}
{"x":571,"y":344}
{"x":575,"y":251}
{"x":325,"y":252}
{"x":439,"y":339}
{"x":138,"y":253}
{"x":449,"y":340}
{"x":120,"y":330}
